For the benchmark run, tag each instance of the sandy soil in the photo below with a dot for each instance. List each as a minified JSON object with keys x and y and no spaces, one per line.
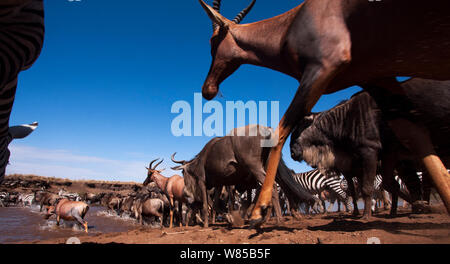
{"x":327,"y":229}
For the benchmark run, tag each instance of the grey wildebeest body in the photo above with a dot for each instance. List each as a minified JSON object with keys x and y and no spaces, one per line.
{"x":148,"y":207}
{"x":352,"y":137}
{"x":422,"y":102}
{"x":329,"y":45}
{"x":236,"y":159}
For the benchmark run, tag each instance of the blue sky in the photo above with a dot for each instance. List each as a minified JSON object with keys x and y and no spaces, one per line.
{"x":109,"y":72}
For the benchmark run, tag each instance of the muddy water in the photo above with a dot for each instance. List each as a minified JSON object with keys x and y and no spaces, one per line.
{"x":28,"y":224}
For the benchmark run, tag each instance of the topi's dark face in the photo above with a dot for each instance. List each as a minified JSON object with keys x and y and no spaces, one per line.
{"x":226,"y":60}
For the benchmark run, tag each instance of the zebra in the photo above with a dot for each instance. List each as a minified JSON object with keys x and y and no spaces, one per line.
{"x":379,"y":194}
{"x":316,"y":182}
{"x":70,"y":196}
{"x":22,"y":36}
{"x":26,"y":199}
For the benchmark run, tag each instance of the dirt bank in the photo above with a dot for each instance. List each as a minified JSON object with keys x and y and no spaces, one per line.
{"x":328,"y":229}
{"x":29,"y":183}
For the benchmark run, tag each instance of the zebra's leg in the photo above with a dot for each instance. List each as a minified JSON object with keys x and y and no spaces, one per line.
{"x":352,"y":190}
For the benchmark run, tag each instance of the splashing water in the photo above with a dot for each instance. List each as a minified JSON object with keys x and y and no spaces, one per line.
{"x":28,"y":224}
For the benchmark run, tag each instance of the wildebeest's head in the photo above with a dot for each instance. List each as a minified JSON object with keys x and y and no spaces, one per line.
{"x":296,"y":144}
{"x":191,"y":191}
{"x":152,"y":172}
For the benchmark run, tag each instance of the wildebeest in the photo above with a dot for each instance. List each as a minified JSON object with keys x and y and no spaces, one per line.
{"x":145,"y":207}
{"x":126,"y":204}
{"x":330,"y":45}
{"x":113,"y":203}
{"x":349,"y":138}
{"x":91,"y":197}
{"x":172,"y":186}
{"x":45,"y":198}
{"x":69,"y":211}
{"x":236,"y":159}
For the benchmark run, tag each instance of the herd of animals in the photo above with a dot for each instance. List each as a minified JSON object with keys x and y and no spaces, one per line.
{"x":164,"y":200}
{"x":392,"y":128}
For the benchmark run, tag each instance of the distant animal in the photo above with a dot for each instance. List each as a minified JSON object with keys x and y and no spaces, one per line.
{"x":69,"y":195}
{"x":236,"y":159}
{"x":69,"y":211}
{"x":3,"y":198}
{"x":22,"y":37}
{"x":26,"y":199}
{"x":126,"y":204}
{"x":148,"y":207}
{"x":316,"y":182}
{"x":172,"y":186}
{"x":113,"y":203}
{"x":91,"y":198}
{"x":45,"y":198}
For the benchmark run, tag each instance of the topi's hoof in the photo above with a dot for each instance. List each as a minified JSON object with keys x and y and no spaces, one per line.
{"x":257,"y":223}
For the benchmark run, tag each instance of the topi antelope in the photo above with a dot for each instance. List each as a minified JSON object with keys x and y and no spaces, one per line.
{"x":172,"y":187}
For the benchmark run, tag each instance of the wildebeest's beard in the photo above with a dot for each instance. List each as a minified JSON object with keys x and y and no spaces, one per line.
{"x":296,"y":147}
{"x":309,"y":144}
{"x":192,"y":183}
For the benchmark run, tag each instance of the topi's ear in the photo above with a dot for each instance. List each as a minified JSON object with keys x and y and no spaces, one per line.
{"x":215,"y":16}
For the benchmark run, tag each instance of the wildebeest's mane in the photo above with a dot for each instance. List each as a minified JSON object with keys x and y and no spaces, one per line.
{"x":353,"y":118}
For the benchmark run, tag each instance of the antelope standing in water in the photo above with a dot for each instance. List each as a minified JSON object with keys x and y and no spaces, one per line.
{"x":69,"y":211}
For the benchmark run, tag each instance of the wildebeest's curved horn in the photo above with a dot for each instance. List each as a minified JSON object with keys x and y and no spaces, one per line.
{"x":181,"y":167}
{"x":244,"y":12}
{"x":154,"y":168}
{"x":176,"y":161}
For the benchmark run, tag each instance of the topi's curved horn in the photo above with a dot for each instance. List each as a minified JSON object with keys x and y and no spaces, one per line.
{"x":176,"y":161}
{"x":151,"y":163}
{"x":154,"y":168}
{"x":216,"y":18}
{"x":244,"y":13}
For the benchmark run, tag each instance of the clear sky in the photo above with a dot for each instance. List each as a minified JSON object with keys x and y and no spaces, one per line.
{"x":109,"y":72}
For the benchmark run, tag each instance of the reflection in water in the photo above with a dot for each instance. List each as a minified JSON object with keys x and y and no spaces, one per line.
{"x":28,"y":224}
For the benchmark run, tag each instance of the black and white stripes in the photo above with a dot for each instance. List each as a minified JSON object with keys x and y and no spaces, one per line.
{"x":21,"y":40}
{"x":315,"y":182}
